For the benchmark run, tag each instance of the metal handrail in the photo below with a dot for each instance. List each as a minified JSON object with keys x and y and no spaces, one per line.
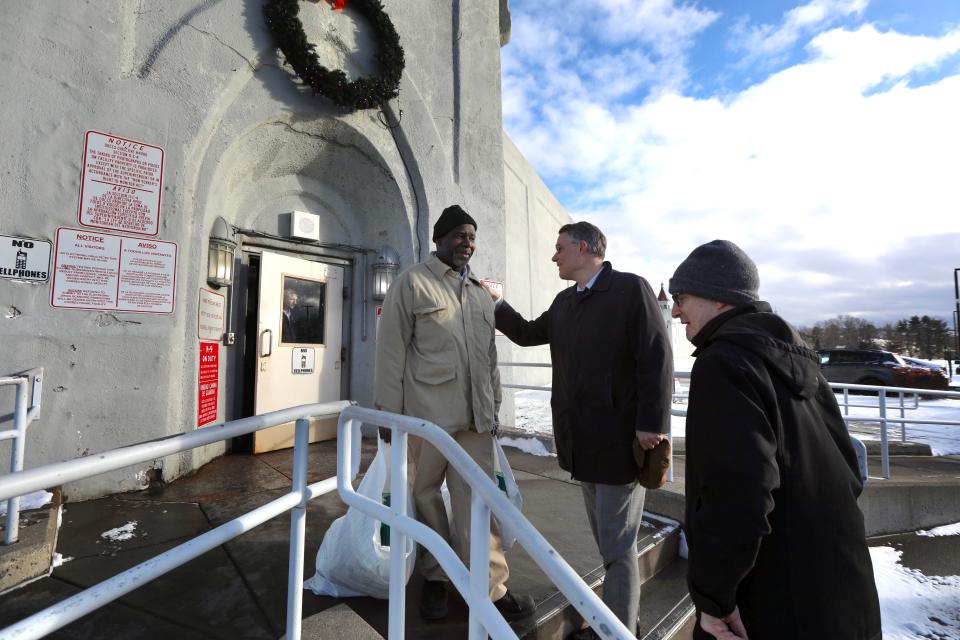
{"x":882,"y":419}
{"x":486,"y":497}
{"x":74,"y":607}
{"x":22,"y":416}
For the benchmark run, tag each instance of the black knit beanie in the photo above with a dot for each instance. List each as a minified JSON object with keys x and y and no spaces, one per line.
{"x":720,"y":271}
{"x":451,"y":218}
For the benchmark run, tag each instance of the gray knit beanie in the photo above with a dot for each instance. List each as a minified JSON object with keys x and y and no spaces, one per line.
{"x":720,"y":271}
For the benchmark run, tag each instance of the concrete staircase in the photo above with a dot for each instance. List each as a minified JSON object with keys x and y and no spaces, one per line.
{"x":31,"y":556}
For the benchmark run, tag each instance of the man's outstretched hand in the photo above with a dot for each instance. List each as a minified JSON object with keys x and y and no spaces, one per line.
{"x":490,"y":290}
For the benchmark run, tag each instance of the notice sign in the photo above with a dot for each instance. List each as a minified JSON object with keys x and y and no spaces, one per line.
{"x":210,"y":315}
{"x":209,"y":382}
{"x":24,"y":259}
{"x":102,"y":271}
{"x":303,"y":360}
{"x":120,"y":184}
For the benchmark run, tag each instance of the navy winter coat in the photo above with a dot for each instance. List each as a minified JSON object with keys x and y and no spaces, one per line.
{"x":612,"y":371}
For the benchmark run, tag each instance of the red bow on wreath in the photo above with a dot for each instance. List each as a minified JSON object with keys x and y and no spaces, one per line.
{"x":338,"y":4}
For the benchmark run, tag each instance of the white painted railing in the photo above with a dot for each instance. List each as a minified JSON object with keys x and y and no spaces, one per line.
{"x":883,"y":410}
{"x":486,"y":497}
{"x":29,"y":386}
{"x":883,"y":418}
{"x":89,"y":600}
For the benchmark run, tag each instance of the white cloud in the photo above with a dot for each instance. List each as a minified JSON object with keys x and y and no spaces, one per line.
{"x":826,"y":180}
{"x":767,"y":39}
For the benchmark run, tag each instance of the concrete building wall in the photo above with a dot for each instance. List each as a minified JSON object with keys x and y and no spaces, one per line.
{"x":530,"y":278}
{"x":242,"y":140}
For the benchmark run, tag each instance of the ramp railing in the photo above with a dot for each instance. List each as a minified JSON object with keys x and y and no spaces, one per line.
{"x":486,"y":498}
{"x":908,"y":399}
{"x":473,"y":585}
{"x":29,"y":386}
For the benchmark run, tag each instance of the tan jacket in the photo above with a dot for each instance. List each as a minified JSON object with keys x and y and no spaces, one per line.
{"x":436,"y":355}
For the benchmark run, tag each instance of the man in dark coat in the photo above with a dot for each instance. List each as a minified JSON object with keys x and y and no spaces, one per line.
{"x":612,"y":382}
{"x":776,"y":540}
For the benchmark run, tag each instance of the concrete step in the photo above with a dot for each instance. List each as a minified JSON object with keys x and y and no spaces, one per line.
{"x":657,"y":544}
{"x":666,"y":610}
{"x":339,"y":622}
{"x":31,"y":556}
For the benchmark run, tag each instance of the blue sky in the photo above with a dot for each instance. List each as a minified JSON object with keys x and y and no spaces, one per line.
{"x":823,"y":137}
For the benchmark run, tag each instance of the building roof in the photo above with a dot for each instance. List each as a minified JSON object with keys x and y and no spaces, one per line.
{"x":663,"y":294}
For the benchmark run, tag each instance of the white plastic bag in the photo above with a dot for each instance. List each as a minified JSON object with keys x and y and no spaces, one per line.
{"x":351,"y":561}
{"x":503,"y":476}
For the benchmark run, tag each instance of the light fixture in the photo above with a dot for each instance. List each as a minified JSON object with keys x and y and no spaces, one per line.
{"x":385,"y":270}
{"x":221,"y":256}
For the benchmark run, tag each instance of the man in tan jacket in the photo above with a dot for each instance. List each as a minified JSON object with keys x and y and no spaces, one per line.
{"x":437,"y":360}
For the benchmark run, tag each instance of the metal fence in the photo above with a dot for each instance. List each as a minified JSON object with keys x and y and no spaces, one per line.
{"x":473,"y":585}
{"x":29,"y":386}
{"x":907,"y":399}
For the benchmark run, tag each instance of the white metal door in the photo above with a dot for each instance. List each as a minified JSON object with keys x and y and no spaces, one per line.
{"x":299,"y":324}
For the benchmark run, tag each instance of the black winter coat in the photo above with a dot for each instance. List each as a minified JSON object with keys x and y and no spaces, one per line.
{"x":612,"y":371}
{"x":772,"y":481}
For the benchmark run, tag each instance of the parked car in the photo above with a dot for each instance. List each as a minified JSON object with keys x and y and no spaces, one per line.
{"x":923,"y":364}
{"x":875,"y":367}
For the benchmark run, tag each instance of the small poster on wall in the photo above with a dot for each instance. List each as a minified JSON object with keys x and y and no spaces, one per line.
{"x":209,"y":382}
{"x":210,"y":315}
{"x":120,"y":184}
{"x":104,"y":271}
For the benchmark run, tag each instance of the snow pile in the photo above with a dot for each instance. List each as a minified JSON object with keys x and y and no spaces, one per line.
{"x":913,"y":605}
{"x":125,"y":532}
{"x":532,"y":411}
{"x":527,"y":445}
{"x":33,"y":500}
{"x":945,"y":530}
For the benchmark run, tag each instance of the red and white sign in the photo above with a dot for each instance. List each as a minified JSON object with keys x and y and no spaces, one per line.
{"x":104,"y":271}
{"x":210,"y":315}
{"x":120,"y":184}
{"x":209,"y":383}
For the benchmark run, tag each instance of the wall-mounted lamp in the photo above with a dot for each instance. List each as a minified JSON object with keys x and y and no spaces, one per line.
{"x":220,"y":260}
{"x":385,"y":270}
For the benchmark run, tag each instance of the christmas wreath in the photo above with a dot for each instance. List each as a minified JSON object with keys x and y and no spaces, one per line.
{"x":362,"y":93}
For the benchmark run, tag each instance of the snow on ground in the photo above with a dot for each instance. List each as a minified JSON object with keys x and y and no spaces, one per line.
{"x":528,"y":445}
{"x":914,"y":605}
{"x":945,"y":530}
{"x":121,"y":533}
{"x":33,"y":500}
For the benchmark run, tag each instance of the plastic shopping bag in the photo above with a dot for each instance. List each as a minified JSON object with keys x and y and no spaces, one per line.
{"x":352,"y":561}
{"x":503,"y":475}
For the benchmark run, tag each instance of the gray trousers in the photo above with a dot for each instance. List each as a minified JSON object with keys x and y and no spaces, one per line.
{"x":614,"y":511}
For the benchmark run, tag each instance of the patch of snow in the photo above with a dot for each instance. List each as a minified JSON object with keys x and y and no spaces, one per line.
{"x":528,"y":445}
{"x":944,"y":440}
{"x":121,"y":533}
{"x":913,"y":605}
{"x":684,"y":550}
{"x":945,"y":530}
{"x":59,"y":560}
{"x":33,"y":500}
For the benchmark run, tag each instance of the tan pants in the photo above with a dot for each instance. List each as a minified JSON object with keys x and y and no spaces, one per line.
{"x":429,"y":468}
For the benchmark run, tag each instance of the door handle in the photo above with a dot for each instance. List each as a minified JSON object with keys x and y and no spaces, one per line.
{"x":266,"y":342}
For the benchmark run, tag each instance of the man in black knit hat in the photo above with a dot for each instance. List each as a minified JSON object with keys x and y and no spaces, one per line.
{"x":437,"y":360}
{"x":776,"y":540}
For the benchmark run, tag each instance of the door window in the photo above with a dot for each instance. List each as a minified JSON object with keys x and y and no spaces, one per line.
{"x":302,"y":320}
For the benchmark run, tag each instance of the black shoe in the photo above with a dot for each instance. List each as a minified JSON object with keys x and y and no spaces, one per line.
{"x":433,"y":600}
{"x":584,"y":634}
{"x":514,"y":607}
